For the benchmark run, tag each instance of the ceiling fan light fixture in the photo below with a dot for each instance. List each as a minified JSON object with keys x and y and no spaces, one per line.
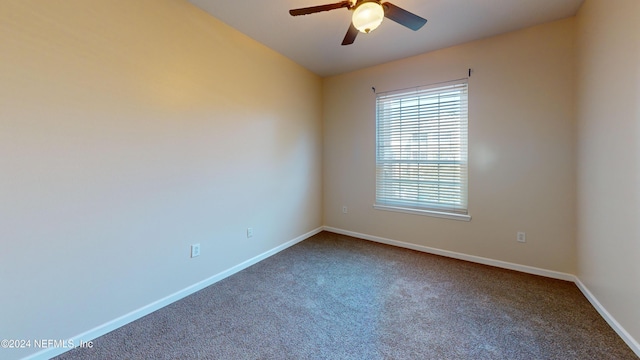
{"x":367,"y":16}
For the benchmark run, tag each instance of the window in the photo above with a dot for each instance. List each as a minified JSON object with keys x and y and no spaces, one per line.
{"x":421,"y":150}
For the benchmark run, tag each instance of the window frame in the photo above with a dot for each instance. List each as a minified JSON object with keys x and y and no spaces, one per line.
{"x":459,"y":211}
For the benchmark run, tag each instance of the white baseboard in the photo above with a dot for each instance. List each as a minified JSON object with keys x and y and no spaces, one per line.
{"x":459,"y":256}
{"x":631,"y":342}
{"x":148,"y":309}
{"x":145,"y":310}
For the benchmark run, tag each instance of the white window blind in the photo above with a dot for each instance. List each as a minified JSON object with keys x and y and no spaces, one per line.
{"x":421,"y":155}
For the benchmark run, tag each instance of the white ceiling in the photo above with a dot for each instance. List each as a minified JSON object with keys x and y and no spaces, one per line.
{"x":313,"y":41}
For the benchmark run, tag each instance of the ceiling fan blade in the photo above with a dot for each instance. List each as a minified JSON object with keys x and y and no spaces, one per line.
{"x":319,"y":8}
{"x":403,"y":17}
{"x":350,"y":37}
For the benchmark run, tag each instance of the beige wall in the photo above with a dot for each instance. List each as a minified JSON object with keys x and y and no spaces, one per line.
{"x":521,"y":141}
{"x":608,"y":113}
{"x":128,"y":131}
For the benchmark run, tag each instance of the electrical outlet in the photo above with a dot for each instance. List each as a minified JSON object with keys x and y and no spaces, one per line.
{"x":249,"y":232}
{"x":195,"y":250}
{"x":522,"y":237}
{"x":345,"y":210}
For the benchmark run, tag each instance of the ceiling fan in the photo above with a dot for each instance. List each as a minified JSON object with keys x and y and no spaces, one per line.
{"x":367,"y":16}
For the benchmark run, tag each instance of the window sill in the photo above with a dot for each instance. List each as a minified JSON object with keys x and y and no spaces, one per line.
{"x":433,"y":213}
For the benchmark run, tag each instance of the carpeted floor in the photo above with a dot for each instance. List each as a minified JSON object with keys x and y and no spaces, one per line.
{"x":336,"y":297}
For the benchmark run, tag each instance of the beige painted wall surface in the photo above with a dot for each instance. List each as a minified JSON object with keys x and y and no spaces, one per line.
{"x":521,"y":118}
{"x":608,"y":113}
{"x":128,"y":131}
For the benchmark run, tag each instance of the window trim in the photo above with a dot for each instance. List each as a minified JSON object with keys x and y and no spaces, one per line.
{"x":425,"y":212}
{"x":461,"y":214}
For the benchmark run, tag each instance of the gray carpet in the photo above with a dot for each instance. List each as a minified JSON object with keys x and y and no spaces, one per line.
{"x":337,"y":297}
